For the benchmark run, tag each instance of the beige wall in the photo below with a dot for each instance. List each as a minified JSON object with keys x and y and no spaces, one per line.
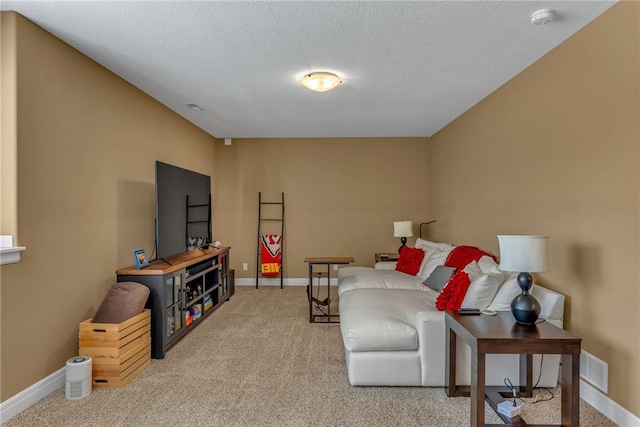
{"x":341,"y":196}
{"x":555,"y":152}
{"x":8,"y":145}
{"x":87,"y":143}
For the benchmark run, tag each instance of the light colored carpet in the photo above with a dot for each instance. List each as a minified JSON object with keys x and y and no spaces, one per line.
{"x":257,"y":361}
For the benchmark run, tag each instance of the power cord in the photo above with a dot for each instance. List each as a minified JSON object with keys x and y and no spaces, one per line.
{"x":316,"y":299}
{"x":510,"y":385}
{"x":508,"y":408}
{"x":153,"y":251}
{"x":534,"y":400}
{"x":539,"y":371}
{"x":318,"y":306}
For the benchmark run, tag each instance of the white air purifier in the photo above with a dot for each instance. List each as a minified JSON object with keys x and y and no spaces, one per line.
{"x":78,"y":377}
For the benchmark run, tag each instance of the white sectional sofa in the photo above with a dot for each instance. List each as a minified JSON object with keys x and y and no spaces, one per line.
{"x":394,"y":335}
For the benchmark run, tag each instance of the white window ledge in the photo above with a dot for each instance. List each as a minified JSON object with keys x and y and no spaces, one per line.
{"x":9,"y":254}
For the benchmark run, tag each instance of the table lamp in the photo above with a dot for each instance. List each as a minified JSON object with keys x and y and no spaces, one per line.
{"x":402,"y":229}
{"x":526,"y":254}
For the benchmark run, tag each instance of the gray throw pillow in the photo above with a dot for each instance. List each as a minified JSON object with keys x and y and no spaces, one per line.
{"x":439,"y":277}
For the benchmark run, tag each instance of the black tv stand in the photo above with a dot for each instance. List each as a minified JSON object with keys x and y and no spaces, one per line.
{"x":182,"y":294}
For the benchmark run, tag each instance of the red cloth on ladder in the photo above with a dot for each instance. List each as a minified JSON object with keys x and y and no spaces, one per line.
{"x":271,"y":254}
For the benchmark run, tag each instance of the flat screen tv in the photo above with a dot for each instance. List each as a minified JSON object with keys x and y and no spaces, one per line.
{"x":183,"y":209}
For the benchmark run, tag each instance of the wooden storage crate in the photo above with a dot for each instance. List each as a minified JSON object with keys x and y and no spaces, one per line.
{"x":119,"y":351}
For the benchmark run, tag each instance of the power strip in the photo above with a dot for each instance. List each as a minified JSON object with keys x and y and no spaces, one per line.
{"x":507,"y":408}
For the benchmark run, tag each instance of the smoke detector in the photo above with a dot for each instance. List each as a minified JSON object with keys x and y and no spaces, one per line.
{"x":542,"y":16}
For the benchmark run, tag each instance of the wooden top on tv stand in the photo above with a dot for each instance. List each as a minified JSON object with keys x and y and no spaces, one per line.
{"x":176,"y":262}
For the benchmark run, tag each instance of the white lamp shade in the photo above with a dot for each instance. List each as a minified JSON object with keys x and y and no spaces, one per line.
{"x":402,"y":229}
{"x":523,"y":253}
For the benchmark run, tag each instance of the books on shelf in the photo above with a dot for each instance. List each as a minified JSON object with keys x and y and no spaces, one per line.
{"x":208,"y":302}
{"x":195,"y":311}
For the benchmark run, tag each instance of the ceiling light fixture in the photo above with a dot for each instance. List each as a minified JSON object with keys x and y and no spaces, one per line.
{"x":320,"y":81}
{"x":194,"y":107}
{"x":542,"y":16}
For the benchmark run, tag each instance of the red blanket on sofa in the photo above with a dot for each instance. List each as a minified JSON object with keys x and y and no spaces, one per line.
{"x":460,"y":256}
{"x":453,"y":293}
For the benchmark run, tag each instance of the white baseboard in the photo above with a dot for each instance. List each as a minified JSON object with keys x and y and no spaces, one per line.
{"x":606,"y":406}
{"x":286,"y":282}
{"x":21,"y":401}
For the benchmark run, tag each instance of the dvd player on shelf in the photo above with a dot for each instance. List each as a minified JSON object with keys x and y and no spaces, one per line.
{"x":197,"y":268}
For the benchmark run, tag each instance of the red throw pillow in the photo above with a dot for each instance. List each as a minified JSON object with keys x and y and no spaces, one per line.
{"x":453,"y":294}
{"x":410,"y":260}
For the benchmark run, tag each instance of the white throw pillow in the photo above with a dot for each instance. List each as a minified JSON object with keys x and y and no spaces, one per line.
{"x":482,"y":290}
{"x":473,"y":270}
{"x":421,"y":243}
{"x":488,"y":265}
{"x":428,"y":251}
{"x":507,"y":292}
{"x":433,"y":257}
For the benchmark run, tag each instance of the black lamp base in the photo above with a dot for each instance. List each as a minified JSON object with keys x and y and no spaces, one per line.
{"x":403,"y":240}
{"x":524,"y":307}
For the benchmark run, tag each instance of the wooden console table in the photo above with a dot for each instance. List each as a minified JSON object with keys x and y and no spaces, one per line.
{"x":501,"y":334}
{"x":328,"y":261}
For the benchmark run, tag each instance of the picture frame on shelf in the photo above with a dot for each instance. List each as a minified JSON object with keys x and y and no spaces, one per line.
{"x":141,"y":259}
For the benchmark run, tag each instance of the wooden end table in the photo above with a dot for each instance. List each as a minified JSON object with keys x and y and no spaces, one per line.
{"x":502,"y":335}
{"x":386,"y":256}
{"x":328,"y":261}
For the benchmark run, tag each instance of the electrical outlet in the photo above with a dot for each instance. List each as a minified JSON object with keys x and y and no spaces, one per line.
{"x":335,"y":267}
{"x":245,"y":266}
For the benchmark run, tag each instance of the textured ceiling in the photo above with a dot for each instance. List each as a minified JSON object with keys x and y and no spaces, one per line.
{"x":408,"y":68}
